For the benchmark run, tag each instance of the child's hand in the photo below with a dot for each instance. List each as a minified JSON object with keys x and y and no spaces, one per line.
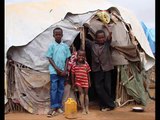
{"x":58,"y":72}
{"x":109,"y":36}
{"x":63,"y":74}
{"x":73,"y":87}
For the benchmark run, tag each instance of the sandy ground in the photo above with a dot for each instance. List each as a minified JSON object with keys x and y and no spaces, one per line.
{"x":124,"y":113}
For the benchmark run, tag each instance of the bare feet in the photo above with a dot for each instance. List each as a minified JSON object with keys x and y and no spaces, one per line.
{"x":84,"y":112}
{"x":87,"y":112}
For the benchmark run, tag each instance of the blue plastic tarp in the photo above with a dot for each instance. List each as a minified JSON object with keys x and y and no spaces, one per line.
{"x":150,"y":34}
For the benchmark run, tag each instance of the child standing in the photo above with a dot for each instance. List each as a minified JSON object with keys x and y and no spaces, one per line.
{"x":101,"y":67}
{"x":57,"y":54}
{"x":81,"y":78}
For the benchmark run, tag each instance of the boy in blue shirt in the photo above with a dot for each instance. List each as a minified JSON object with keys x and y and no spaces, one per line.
{"x":57,"y":54}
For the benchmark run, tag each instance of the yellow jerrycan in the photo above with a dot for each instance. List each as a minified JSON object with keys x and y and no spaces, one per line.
{"x":70,"y":108}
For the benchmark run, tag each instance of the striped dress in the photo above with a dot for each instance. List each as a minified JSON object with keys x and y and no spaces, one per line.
{"x":81,"y":74}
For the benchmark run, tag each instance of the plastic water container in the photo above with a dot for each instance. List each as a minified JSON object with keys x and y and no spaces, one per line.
{"x":70,"y":108}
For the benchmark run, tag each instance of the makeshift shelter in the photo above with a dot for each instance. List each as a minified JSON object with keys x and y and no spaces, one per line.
{"x":28,"y":34}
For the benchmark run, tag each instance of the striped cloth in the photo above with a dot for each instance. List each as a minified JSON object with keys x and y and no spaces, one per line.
{"x":81,"y":74}
{"x":71,"y":61}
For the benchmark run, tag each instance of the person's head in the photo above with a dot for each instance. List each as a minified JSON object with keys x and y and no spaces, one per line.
{"x":81,"y":56}
{"x":58,"y":34}
{"x":100,"y":37}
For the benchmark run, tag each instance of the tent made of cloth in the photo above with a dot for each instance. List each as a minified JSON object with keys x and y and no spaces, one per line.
{"x":29,"y":28}
{"x":26,"y":21}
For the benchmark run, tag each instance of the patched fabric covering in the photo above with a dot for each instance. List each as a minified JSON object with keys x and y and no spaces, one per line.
{"x":31,"y":89}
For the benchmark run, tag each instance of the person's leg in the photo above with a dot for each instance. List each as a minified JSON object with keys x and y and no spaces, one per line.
{"x":86,"y":100}
{"x":53,"y":94}
{"x":92,"y":91}
{"x":99,"y":85}
{"x":81,"y":97}
{"x":53,"y":90}
{"x":105,"y":99}
{"x":60,"y":92}
{"x":107,"y":83}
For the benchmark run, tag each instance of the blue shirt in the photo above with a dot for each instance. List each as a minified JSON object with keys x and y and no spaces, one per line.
{"x":58,"y":52}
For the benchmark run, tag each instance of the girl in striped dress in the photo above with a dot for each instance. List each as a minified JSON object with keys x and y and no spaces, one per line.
{"x":81,"y":79}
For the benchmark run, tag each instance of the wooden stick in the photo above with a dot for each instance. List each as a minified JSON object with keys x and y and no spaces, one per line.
{"x":83,"y":37}
{"x":117,"y":86}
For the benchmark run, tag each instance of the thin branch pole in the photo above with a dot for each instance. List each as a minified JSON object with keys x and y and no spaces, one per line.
{"x":83,"y":37}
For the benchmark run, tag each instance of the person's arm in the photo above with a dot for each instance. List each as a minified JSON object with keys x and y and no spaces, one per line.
{"x":88,"y":75}
{"x":89,"y":80}
{"x":73,"y":77}
{"x":73,"y":80}
{"x":68,"y":55}
{"x":64,"y":73}
{"x":65,"y":69}
{"x":59,"y":72}
{"x":109,"y":37}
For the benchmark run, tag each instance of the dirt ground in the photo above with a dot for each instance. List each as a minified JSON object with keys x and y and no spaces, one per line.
{"x":123,"y":113}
